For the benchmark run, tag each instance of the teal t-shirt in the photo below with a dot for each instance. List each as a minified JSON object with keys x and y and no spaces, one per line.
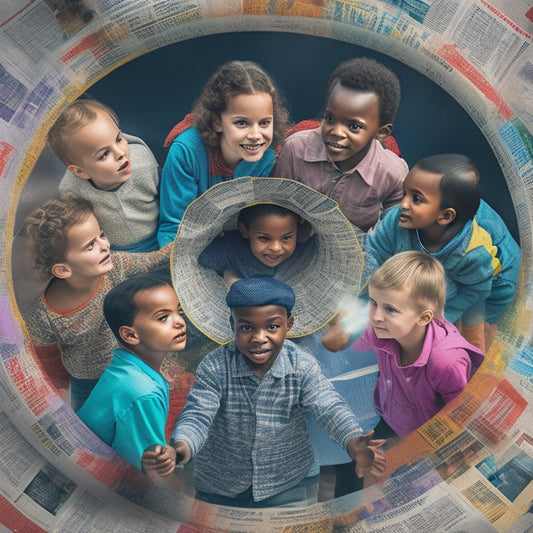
{"x":128,"y":407}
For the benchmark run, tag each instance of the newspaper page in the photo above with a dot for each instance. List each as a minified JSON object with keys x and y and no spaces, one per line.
{"x":467,"y":469}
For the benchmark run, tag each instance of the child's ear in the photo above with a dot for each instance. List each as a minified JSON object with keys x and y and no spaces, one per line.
{"x":425,"y":317}
{"x":243,"y":230}
{"x":383,"y":132}
{"x":75,"y":169}
{"x":290,"y":322}
{"x":61,"y":271}
{"x":447,"y":216}
{"x":128,"y":335}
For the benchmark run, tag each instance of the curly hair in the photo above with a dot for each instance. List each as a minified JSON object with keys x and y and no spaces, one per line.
{"x":229,"y":80}
{"x":366,"y":75}
{"x":47,"y":231}
{"x":76,"y":115}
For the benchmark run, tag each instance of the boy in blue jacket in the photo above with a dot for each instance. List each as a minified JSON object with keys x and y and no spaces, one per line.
{"x":442,"y":214}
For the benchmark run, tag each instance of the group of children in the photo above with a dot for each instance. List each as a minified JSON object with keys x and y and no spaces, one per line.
{"x":436,"y":256}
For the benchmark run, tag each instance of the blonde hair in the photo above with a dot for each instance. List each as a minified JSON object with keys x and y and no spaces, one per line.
{"x":420,"y":273}
{"x":76,"y":115}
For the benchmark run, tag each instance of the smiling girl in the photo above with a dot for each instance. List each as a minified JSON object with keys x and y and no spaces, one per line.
{"x":67,"y":322}
{"x":237,"y":119}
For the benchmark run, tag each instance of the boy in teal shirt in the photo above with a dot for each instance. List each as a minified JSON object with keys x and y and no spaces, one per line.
{"x":129,"y":405}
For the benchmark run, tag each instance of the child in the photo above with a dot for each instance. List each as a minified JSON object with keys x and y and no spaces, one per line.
{"x":244,"y":419}
{"x":344,"y":157}
{"x":237,"y":118}
{"x":69,"y":247}
{"x":441,"y":214}
{"x":118,"y":172}
{"x":268,"y":242}
{"x":423,"y":360}
{"x":129,"y":405}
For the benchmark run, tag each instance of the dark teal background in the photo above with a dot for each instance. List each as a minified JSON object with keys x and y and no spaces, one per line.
{"x":153,"y":92}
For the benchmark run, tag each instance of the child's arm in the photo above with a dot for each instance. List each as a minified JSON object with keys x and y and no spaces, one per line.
{"x":180,"y":185}
{"x":336,"y":339}
{"x":160,"y":460}
{"x":368,"y":458}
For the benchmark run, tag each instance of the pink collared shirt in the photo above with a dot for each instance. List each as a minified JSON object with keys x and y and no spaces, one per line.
{"x":374,"y":184}
{"x":408,"y":396}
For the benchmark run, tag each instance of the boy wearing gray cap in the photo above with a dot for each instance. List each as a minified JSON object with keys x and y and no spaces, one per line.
{"x":244,"y":419}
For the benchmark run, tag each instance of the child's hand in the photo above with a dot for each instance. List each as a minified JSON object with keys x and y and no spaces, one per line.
{"x":370,"y":461}
{"x":336,"y":339}
{"x":161,"y":460}
{"x":183,"y":452}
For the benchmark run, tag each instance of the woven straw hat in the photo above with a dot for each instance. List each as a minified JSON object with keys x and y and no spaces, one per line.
{"x":333,"y":273}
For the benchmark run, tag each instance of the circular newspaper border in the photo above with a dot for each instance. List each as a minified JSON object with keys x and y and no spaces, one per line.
{"x":19,"y":364}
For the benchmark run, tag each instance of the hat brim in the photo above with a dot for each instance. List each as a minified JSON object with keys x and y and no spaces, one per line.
{"x":332,"y":274}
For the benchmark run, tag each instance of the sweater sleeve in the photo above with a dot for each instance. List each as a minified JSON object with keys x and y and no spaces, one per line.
{"x":202,"y":406}
{"x":327,"y":406}
{"x":180,"y":185}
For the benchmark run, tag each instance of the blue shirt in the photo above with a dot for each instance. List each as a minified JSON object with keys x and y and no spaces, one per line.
{"x":186,"y":176}
{"x":128,"y":407}
{"x":482,"y":262}
{"x":250,"y":431}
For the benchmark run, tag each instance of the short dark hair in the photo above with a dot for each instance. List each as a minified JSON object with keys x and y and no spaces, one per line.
{"x":459,"y":185}
{"x":365,"y":75}
{"x":120,"y":308}
{"x":248,"y":214}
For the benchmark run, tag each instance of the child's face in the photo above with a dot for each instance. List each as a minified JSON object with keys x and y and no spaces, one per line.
{"x":246,"y":128}
{"x":158,"y":327}
{"x":392,"y":315}
{"x":88,"y":250}
{"x":272,"y":238}
{"x":350,"y":122}
{"x":421,"y":202}
{"x":101,"y":153}
{"x":260,"y":333}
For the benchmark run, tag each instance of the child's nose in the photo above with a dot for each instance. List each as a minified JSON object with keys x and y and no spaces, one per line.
{"x":254,"y":132}
{"x":259,"y":336}
{"x":405,"y":203}
{"x":337,"y":130}
{"x":275,"y":245}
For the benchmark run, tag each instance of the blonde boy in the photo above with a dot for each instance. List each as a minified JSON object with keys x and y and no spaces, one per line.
{"x":117,"y":172}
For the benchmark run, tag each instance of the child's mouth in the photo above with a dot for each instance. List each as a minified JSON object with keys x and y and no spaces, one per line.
{"x":253,"y":147}
{"x":124,"y":166}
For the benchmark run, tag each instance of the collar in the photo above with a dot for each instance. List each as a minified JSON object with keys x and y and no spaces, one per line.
{"x":217,"y":166}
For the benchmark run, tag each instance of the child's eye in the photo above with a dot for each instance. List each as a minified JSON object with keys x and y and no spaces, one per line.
{"x":163,"y":318}
{"x":327,"y":117}
{"x":390,"y":309}
{"x":417,"y":199}
{"x":265,"y":123}
{"x":246,"y":328}
{"x":240,"y":123}
{"x":262,"y":238}
{"x":287,"y":237}
{"x":354,"y":126}
{"x":105,"y":154}
{"x":272,"y":327}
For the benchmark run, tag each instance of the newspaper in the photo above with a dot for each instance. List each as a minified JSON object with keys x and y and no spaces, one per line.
{"x":468,"y":469}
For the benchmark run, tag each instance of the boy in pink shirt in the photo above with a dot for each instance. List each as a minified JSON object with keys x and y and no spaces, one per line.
{"x":345,"y":157}
{"x":423,"y":360}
